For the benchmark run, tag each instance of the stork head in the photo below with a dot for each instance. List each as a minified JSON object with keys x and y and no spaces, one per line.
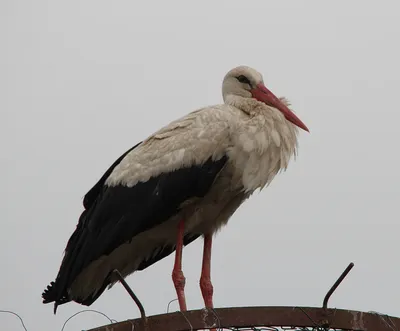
{"x":245,"y":82}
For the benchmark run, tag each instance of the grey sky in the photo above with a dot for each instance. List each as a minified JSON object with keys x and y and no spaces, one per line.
{"x":81,"y":82}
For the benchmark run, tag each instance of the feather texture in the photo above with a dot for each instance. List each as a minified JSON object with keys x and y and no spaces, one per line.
{"x":199,"y":168}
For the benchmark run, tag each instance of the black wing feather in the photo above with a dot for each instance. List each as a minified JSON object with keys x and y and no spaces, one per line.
{"x":116,"y":214}
{"x":50,"y":294}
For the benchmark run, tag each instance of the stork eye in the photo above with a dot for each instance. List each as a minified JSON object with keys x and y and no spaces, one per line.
{"x":243,"y":79}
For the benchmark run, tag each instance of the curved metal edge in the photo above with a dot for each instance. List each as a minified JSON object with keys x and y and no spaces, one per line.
{"x":259,"y":316}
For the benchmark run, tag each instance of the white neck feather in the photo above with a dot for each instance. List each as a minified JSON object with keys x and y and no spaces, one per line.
{"x":265,"y":143}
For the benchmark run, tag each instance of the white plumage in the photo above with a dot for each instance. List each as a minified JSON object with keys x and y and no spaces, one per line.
{"x":184,"y":181}
{"x":258,"y":143}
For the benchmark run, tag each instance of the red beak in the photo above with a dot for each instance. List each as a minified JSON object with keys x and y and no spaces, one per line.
{"x":261,"y":93}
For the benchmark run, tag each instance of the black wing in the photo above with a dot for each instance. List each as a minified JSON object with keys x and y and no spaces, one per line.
{"x":116,"y":214}
{"x":50,"y":293}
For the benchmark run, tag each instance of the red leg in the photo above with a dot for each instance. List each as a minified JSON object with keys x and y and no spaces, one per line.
{"x":205,"y":280}
{"x":177,"y":275}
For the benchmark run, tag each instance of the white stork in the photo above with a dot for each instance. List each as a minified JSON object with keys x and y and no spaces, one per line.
{"x":184,"y":181}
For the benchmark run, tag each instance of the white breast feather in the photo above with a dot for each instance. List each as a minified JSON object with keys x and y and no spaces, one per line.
{"x":262,"y":146}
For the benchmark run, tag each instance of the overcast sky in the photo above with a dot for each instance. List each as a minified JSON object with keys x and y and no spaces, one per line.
{"x":83,"y":81}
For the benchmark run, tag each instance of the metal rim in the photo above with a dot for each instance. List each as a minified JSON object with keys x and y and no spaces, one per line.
{"x":260,"y":317}
{"x":250,"y":317}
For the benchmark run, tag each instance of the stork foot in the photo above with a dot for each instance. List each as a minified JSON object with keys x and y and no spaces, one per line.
{"x":207,"y":291}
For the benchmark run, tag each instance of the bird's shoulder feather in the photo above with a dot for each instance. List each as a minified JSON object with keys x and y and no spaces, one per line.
{"x":190,"y":140}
